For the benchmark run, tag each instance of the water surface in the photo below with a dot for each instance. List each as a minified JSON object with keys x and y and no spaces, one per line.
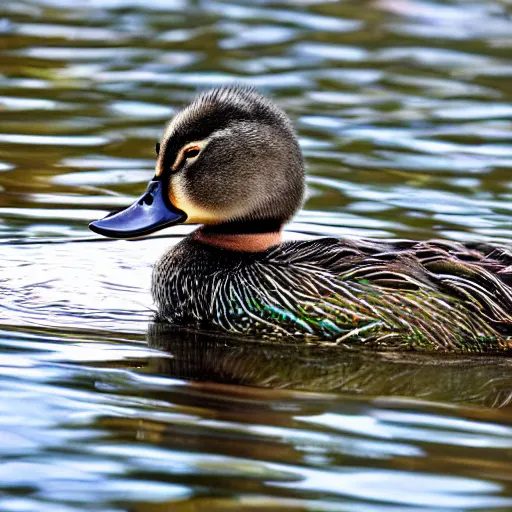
{"x":404,"y":112}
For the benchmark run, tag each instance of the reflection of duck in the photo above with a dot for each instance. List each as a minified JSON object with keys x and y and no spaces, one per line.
{"x":231,"y":162}
{"x":224,"y":363}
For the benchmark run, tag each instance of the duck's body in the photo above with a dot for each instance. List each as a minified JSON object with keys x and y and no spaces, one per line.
{"x":430,"y":295}
{"x":235,"y":275}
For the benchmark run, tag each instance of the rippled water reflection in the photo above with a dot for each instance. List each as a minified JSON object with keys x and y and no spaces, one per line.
{"x":404,"y":111}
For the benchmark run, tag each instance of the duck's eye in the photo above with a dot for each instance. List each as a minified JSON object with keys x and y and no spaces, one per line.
{"x":186,"y":153}
{"x":192,"y":152}
{"x":157,"y":148}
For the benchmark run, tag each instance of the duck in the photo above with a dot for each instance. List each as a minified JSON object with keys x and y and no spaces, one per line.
{"x":231,"y":163}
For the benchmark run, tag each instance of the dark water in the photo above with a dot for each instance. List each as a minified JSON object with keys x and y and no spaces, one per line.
{"x":404,"y":109}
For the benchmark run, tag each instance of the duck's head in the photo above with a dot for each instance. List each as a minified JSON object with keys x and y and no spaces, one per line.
{"x":230,"y":160}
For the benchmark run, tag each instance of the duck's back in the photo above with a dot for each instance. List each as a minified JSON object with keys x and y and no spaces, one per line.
{"x":401,"y":294}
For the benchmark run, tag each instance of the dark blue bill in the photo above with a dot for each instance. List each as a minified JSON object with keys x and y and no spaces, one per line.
{"x":150,"y":213}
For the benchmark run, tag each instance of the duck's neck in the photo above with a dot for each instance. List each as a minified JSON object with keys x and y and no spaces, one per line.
{"x":242,"y":242}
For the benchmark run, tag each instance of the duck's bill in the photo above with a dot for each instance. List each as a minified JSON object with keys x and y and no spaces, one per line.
{"x":150,"y":213}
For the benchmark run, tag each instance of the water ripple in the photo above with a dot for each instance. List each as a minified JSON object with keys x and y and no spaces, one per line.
{"x":403,"y":112}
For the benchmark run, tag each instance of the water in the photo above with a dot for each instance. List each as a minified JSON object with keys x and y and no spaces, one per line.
{"x":404,"y":111}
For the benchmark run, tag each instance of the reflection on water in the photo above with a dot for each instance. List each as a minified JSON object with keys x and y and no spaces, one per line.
{"x":199,"y":357}
{"x":403,"y":109}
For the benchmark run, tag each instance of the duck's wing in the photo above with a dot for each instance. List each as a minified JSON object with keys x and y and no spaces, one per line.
{"x":450,"y":294}
{"x":406,"y":263}
{"x":497,"y":259}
